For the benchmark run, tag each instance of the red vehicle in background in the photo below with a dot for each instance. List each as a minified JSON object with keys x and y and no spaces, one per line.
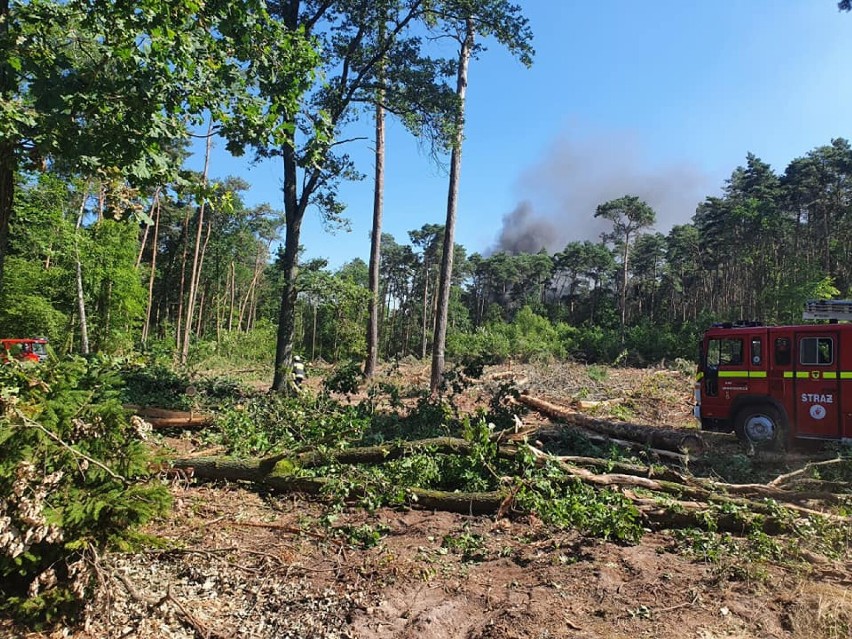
{"x":26,"y":349}
{"x":775,"y":385}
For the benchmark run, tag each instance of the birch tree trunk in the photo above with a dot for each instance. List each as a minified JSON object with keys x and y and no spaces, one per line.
{"x":81,"y":301}
{"x":232,"y":276}
{"x":195,"y":274}
{"x":154,"y":203}
{"x":147,"y":326}
{"x":182,"y":288}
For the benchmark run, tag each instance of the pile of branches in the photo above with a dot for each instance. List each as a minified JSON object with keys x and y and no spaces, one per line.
{"x":654,"y":496}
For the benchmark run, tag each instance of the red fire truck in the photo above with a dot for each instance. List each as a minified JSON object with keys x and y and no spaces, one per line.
{"x":26,"y":349}
{"x":774,"y":385}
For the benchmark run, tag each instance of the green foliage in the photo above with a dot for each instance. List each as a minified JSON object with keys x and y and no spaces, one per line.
{"x":236,"y":349}
{"x":597,"y":373}
{"x":733,"y":558}
{"x":155,"y":384}
{"x":72,"y":472}
{"x":257,"y":424}
{"x":470,"y":545}
{"x":79,"y":100}
{"x":528,"y":337}
{"x":487,"y":343}
{"x":363,"y":536}
{"x":28,"y":307}
{"x":345,"y":379}
{"x":566,"y":503}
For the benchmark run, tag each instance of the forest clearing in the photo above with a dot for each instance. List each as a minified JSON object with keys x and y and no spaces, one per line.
{"x":363,"y":557}
{"x":270,"y":366}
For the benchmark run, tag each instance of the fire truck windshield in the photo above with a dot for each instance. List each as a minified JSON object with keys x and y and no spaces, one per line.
{"x":724,"y":352}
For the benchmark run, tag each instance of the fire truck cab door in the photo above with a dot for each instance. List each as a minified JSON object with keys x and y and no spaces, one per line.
{"x":816,"y":387}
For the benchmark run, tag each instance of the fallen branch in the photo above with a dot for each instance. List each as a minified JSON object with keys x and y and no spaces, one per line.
{"x":781,"y":479}
{"x":704,"y":491}
{"x":29,"y":423}
{"x":634,"y":446}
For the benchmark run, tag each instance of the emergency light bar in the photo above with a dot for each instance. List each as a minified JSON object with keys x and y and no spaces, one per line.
{"x":838,"y":310}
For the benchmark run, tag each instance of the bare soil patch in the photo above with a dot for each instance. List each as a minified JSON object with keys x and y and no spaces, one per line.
{"x":249,"y":565}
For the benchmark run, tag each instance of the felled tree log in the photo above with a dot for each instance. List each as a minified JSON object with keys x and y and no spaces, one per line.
{"x":380,"y":453}
{"x":694,"y":515}
{"x":259,"y":471}
{"x":163,"y":418}
{"x":673,"y":513}
{"x":687,"y":498}
{"x":616,"y":474}
{"x":662,"y":438}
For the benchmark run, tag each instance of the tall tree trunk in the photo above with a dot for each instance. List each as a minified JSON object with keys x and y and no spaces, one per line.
{"x":252,"y":315}
{"x":246,"y":301}
{"x":147,"y":326}
{"x":314,"y":333}
{"x":199,"y":322}
{"x":376,"y":240}
{"x":452,"y":203}
{"x":425,"y":323}
{"x":232,"y":277}
{"x":624,"y":287}
{"x":294,"y":213}
{"x":154,"y":203}
{"x":182,"y":288}
{"x":81,"y":301}
{"x":196,"y":271}
{"x":8,"y":162}
{"x":201,"y":258}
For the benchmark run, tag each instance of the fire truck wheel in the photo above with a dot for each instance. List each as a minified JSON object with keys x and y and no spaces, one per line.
{"x":761,"y":426}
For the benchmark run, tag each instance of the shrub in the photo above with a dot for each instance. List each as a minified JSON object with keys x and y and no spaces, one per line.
{"x":66,"y":435}
{"x":486,"y":343}
{"x":345,"y":379}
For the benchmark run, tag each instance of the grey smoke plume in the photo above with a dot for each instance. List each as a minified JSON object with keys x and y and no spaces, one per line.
{"x":560,"y":193}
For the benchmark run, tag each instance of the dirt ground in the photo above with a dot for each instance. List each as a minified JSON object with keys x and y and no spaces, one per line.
{"x":238,"y":563}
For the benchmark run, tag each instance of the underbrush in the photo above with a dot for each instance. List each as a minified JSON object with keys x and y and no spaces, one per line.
{"x":65,"y":434}
{"x":74,"y":480}
{"x":268,"y":424}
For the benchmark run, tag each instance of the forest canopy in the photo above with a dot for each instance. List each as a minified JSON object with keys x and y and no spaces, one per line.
{"x":110,"y":244}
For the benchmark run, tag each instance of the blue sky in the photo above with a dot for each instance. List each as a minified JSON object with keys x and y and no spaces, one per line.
{"x":659,"y":98}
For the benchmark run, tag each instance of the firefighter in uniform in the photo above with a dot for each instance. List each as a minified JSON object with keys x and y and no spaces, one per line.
{"x":298,"y":371}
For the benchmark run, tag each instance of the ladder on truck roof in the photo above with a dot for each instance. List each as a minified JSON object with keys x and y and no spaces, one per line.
{"x":838,"y":310}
